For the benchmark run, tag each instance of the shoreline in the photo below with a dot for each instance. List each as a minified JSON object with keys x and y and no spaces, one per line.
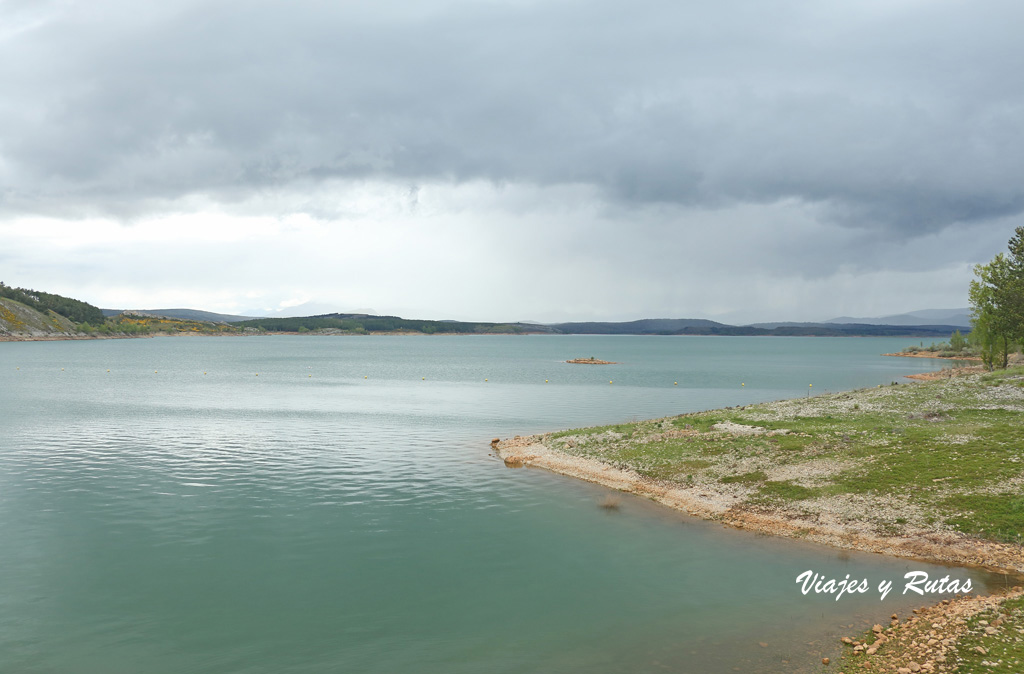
{"x":66,"y":338}
{"x":396,"y":333}
{"x":928,"y":354}
{"x":956,"y":549}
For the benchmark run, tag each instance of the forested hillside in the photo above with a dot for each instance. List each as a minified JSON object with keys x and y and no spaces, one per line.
{"x":76,"y":310}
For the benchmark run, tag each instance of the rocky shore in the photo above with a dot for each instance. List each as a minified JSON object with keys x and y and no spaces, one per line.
{"x":64,"y":338}
{"x":964,"y":634}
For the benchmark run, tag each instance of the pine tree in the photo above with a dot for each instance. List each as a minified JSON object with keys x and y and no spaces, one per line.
{"x":997,"y":304}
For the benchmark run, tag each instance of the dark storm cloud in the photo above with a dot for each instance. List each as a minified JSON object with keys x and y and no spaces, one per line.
{"x":906,"y":116}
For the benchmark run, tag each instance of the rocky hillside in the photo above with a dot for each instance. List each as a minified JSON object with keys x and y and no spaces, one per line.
{"x":18,"y":321}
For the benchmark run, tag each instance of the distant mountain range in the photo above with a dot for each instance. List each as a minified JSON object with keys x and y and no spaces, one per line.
{"x":684,"y":326}
{"x":645,"y":326}
{"x":307,"y":309}
{"x":182,"y":314}
{"x":958,"y":317}
{"x":298,"y":311}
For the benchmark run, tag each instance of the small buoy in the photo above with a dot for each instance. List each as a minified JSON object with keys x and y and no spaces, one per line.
{"x":204,"y":373}
{"x":423,"y":378}
{"x":485,"y":380}
{"x":675,"y":383}
{"x":257,"y":374}
{"x":810,"y":385}
{"x":609,"y":382}
{"x":310,"y":376}
{"x":108,"y":370}
{"x":62,"y":369}
{"x":364,"y":376}
{"x":743,"y":383}
{"x":154,"y":372}
{"x":545,"y":381}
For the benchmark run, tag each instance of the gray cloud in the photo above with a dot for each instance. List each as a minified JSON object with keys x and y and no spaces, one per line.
{"x":477,"y":252}
{"x":898,"y":117}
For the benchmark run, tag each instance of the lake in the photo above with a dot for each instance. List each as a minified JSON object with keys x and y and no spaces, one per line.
{"x":331,"y":504}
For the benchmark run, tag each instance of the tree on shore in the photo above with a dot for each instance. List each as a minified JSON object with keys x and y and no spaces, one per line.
{"x":997,"y":304}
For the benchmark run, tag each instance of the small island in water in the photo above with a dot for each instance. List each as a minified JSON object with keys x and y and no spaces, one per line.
{"x":590,"y":361}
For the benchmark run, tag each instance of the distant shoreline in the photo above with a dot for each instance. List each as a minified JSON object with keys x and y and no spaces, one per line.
{"x":398,"y":333}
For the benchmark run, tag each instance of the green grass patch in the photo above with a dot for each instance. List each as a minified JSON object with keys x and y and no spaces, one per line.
{"x":691,"y":465}
{"x":791,"y":443}
{"x":703,"y":421}
{"x":999,"y":516}
{"x":997,"y":376}
{"x":787,"y":491}
{"x":595,"y":430}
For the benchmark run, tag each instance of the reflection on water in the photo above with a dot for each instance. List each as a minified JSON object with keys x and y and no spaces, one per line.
{"x":341,"y":511}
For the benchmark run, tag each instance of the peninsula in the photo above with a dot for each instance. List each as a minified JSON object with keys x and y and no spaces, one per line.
{"x":930,"y":470}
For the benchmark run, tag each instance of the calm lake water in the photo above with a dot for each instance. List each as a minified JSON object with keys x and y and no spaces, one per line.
{"x":316,"y":504}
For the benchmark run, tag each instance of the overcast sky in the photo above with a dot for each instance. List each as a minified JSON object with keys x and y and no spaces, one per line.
{"x":511,"y":159}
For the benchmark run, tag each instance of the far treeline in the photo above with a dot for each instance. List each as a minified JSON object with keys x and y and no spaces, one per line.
{"x":361,"y":324}
{"x":997,"y":305}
